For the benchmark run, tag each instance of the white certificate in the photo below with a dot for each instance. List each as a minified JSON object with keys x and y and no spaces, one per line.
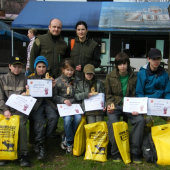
{"x":40,"y":88}
{"x":158,"y":107}
{"x":95,"y":102}
{"x":137,"y":104}
{"x":21,"y":103}
{"x":65,"y":110}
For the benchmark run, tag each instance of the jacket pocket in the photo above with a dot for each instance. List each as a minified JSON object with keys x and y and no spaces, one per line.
{"x":114,"y":88}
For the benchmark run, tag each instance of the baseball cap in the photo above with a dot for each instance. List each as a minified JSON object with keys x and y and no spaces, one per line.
{"x":89,"y":69}
{"x":16,"y":60}
{"x":154,"y":53}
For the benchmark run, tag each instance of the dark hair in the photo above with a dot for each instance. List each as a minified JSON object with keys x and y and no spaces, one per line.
{"x":69,"y":63}
{"x":81,"y":23}
{"x":34,"y":31}
{"x":122,"y":58}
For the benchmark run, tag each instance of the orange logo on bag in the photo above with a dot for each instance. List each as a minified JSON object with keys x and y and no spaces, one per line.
{"x":31,"y":82}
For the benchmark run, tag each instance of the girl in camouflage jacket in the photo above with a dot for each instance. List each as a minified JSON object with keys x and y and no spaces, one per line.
{"x":65,"y":91}
{"x":83,"y":91}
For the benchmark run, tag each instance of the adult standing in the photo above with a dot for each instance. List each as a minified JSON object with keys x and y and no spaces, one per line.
{"x":32,"y":33}
{"x":51,"y":46}
{"x":85,"y":51}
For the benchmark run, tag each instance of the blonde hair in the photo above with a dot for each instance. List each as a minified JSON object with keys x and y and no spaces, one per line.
{"x":34,"y":31}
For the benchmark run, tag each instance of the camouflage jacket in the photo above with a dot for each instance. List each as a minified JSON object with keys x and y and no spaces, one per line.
{"x":113,"y":88}
{"x":82,"y":92}
{"x":48,"y":100}
{"x":11,"y":84}
{"x":62,"y":83}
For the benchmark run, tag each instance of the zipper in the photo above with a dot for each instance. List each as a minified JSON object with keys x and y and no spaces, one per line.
{"x":80,"y":52}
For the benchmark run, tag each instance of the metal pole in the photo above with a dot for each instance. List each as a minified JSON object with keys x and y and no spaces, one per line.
{"x":110,"y":35}
{"x":12,"y":41}
{"x":122,"y":46}
{"x":2,"y":4}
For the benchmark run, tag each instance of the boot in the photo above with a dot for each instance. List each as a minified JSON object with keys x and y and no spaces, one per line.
{"x":41,"y":154}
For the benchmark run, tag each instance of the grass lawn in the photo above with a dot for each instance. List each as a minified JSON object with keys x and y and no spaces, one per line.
{"x":57,"y":159}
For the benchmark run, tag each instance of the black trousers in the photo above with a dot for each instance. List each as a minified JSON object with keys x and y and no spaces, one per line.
{"x":136,"y":136}
{"x":45,"y":115}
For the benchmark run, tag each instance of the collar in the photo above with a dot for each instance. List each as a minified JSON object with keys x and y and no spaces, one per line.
{"x":57,"y":37}
{"x":32,"y":38}
{"x":13,"y":75}
{"x":158,"y":72}
{"x":39,"y":77}
{"x":67,"y":78}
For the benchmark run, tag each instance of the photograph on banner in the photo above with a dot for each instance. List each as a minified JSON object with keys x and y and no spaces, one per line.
{"x":21,"y":103}
{"x":158,"y":107}
{"x":137,"y":104}
{"x":74,"y":109}
{"x":95,"y":102}
{"x":40,"y":88}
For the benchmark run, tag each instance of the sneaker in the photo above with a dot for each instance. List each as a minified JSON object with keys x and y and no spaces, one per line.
{"x":69,"y":149}
{"x":117,"y":158}
{"x":3,"y":163}
{"x":24,"y":161}
{"x":136,"y":159}
{"x":64,"y":142}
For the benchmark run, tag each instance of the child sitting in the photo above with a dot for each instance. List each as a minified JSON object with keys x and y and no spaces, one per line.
{"x":14,"y":83}
{"x":65,"y":91}
{"x":83,"y":91}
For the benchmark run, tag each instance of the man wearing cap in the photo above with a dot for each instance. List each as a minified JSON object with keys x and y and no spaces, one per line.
{"x":152,"y":79}
{"x":51,"y":46}
{"x":14,"y":83}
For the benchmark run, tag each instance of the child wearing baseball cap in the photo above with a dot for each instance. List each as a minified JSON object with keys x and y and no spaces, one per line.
{"x":14,"y":83}
{"x":83,"y":91}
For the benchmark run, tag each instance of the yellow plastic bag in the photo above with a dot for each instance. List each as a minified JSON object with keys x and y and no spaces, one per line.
{"x":80,"y":138}
{"x":161,"y":139}
{"x":96,"y":141}
{"x":121,"y":134}
{"x":9,"y":137}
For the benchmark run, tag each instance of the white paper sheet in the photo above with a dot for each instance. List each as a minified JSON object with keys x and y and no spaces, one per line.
{"x":21,"y":103}
{"x":138,"y":104}
{"x":95,"y":102}
{"x":40,"y":88}
{"x":65,"y":110}
{"x":158,"y":107}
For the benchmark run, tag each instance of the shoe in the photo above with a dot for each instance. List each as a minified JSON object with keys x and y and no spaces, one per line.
{"x":36,"y":149}
{"x":69,"y":149}
{"x":136,"y":159}
{"x":24,"y":161}
{"x":64,"y":142}
{"x":55,"y":135}
{"x":41,"y":154}
{"x":3,"y":163}
{"x":117,"y":158}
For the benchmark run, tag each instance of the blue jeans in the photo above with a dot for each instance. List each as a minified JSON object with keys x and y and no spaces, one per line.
{"x":70,"y":125}
{"x":27,"y":72}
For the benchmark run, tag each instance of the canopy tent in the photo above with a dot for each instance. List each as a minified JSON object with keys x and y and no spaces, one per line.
{"x":99,"y":16}
{"x":5,"y":33}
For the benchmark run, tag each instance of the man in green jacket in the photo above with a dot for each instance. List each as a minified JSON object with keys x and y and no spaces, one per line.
{"x":121,"y":83}
{"x":52,"y":46}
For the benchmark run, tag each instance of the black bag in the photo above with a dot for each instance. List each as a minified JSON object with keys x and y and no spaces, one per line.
{"x":148,"y":149}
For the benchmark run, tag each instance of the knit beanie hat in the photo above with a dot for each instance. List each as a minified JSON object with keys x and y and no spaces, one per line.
{"x":40,"y":59}
{"x":88,"y":68}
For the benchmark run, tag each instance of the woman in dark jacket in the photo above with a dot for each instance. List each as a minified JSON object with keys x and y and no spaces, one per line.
{"x":84,"y":51}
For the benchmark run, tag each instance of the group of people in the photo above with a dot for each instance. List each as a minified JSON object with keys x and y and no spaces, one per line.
{"x":72,"y":80}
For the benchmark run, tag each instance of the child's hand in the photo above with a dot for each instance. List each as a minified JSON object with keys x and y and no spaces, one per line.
{"x":67,"y":102}
{"x":7,"y":114}
{"x":78,"y":68}
{"x":27,"y":87}
{"x":53,"y":83}
{"x":108,"y":109}
{"x":90,"y":95}
{"x":104,"y":109}
{"x":135,"y":113}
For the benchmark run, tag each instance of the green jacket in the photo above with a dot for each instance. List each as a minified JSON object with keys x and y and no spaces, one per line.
{"x":82,"y":92}
{"x":54,"y":52}
{"x":86,"y":52}
{"x":11,"y":84}
{"x":113,"y":89}
{"x":48,"y":100}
